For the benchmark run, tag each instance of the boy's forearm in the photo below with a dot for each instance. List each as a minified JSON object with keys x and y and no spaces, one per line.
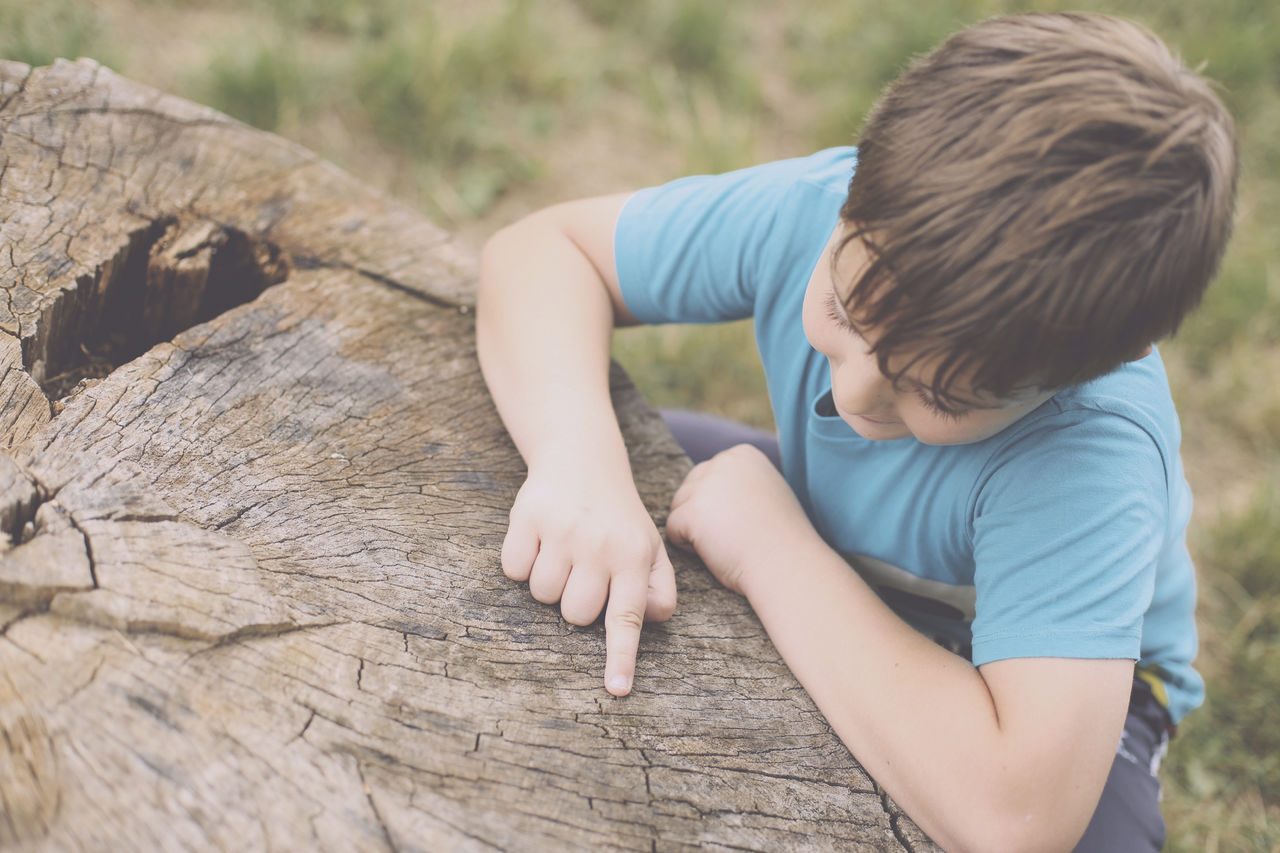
{"x":923,"y":721}
{"x":578,"y":532}
{"x":543,"y":327}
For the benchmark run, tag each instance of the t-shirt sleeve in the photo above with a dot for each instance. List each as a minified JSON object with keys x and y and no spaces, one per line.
{"x":696,"y":250}
{"x":1068,"y":528}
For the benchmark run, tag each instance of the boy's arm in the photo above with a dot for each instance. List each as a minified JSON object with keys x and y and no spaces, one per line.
{"x":548,"y":300}
{"x":1011,"y":756}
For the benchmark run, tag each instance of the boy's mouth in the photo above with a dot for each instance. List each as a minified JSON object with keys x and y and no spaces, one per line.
{"x":878,"y":421}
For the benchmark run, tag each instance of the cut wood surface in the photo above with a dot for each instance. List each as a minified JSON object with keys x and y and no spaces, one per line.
{"x":253,"y":492}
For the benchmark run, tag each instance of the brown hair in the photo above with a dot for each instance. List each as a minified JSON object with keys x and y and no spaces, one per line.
{"x":1042,"y":196}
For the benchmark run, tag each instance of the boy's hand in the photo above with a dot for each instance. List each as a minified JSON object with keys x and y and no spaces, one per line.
{"x":584,"y":540}
{"x":736,"y":511}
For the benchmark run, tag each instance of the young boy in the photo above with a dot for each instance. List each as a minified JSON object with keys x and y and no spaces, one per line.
{"x":956,"y":322}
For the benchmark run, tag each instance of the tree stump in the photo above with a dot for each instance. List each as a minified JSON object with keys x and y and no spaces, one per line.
{"x":253,"y":492}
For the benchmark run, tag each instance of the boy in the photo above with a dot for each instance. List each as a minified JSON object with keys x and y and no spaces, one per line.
{"x":956,"y":322}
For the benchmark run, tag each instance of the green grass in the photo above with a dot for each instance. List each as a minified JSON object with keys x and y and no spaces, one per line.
{"x":845,"y":53}
{"x":38,"y":33}
{"x":1236,"y":43}
{"x":701,"y":40}
{"x":373,"y":18}
{"x":443,"y":99}
{"x":1223,"y":778}
{"x":732,"y":386}
{"x":477,"y":111}
{"x":451,"y":102}
{"x":260,"y":82}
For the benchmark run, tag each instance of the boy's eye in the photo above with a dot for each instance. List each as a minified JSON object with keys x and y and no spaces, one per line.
{"x":933,"y":404}
{"x":939,"y":408}
{"x":837,"y":315}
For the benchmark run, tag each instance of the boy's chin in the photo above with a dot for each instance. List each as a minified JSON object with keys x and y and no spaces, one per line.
{"x":892,"y":430}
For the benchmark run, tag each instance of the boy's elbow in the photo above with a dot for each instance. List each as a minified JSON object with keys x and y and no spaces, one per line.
{"x":1043,"y":830}
{"x":1011,"y":839}
{"x":508,"y":249}
{"x":495,"y":248}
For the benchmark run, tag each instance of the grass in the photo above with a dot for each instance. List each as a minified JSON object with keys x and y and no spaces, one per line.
{"x":669,"y":355}
{"x":478,"y":111}
{"x":373,"y":18}
{"x":436,"y":98}
{"x":38,"y":33}
{"x":1225,"y":774}
{"x":845,"y":53}
{"x":413,"y":88}
{"x":260,"y":82}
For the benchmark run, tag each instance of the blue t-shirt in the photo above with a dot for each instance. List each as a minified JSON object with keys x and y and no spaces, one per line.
{"x":1061,"y":536}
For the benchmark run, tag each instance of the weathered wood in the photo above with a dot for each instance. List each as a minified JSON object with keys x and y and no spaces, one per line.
{"x":249,"y":586}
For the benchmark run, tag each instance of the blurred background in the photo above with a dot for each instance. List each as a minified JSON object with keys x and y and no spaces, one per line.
{"x":479,"y":111}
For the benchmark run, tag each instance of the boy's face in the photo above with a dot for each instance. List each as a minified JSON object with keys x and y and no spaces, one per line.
{"x":869,"y":401}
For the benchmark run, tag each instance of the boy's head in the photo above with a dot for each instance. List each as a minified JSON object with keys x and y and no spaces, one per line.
{"x":1042,"y":197}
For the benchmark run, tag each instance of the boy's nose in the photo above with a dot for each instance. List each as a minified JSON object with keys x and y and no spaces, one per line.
{"x":859,"y":388}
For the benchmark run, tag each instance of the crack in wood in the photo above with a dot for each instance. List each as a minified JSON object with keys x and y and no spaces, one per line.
{"x":169,"y":275}
{"x":18,"y":510}
{"x":373,"y":806}
{"x":214,"y":120}
{"x":330,"y":453}
{"x":894,"y":816}
{"x":311,"y":718}
{"x":305,"y":262}
{"x":88,"y":550}
{"x":21,"y":87}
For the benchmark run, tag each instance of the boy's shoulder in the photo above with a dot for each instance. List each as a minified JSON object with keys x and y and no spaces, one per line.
{"x":1137,"y":391}
{"x":712,"y":248}
{"x":1115,"y":418}
{"x":828,"y":170}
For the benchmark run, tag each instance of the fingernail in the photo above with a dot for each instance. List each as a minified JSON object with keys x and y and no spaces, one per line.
{"x":618,"y":684}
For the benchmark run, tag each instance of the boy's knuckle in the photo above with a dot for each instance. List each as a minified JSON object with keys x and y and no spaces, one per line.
{"x":621,"y":548}
{"x":661,"y":608}
{"x":600,"y":539}
{"x":637,"y":547}
{"x":579,"y":612}
{"x":512,"y":565}
{"x":542,"y":592}
{"x":512,"y":569}
{"x":559,"y":525}
{"x":626,"y":618}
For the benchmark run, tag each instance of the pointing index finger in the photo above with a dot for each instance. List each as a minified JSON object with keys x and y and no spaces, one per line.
{"x":623,"y":619}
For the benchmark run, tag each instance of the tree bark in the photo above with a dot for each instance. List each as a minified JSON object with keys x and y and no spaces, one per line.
{"x":252,"y":495}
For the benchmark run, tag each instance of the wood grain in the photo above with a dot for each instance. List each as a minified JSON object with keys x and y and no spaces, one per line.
{"x":252,"y":497}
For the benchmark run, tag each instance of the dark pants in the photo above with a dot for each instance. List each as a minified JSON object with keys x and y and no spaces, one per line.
{"x":1128,"y":818}
{"x":703,"y":436}
{"x":1128,"y":815}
